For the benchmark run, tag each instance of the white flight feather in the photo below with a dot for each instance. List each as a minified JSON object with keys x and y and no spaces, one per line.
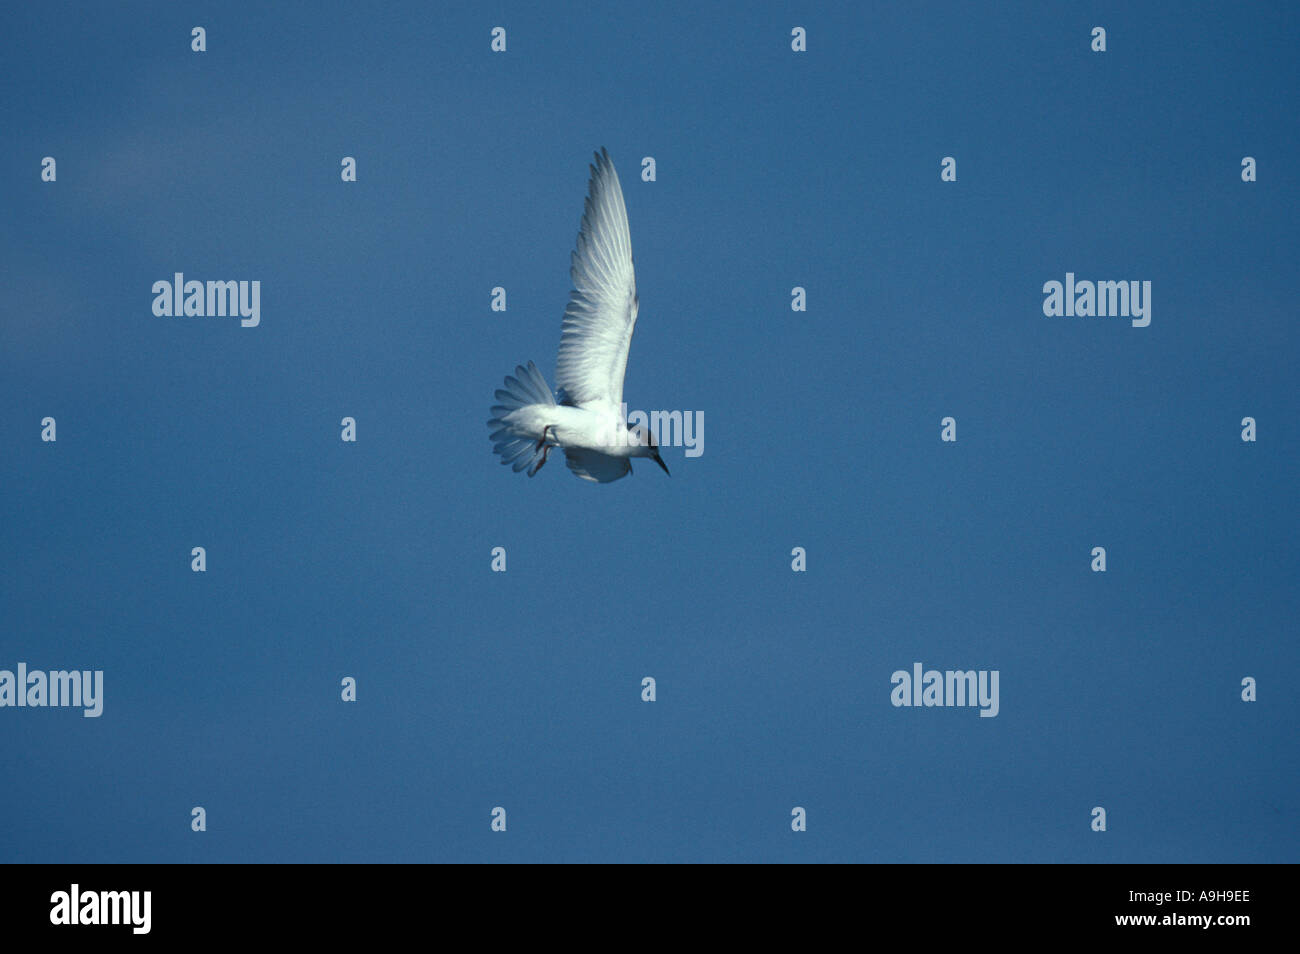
{"x":601,"y":315}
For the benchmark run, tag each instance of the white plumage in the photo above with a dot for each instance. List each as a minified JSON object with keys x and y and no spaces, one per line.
{"x":588,"y":421}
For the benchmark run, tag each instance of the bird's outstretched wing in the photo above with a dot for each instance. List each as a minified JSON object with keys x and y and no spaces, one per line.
{"x":595,"y":466}
{"x":598,"y":323}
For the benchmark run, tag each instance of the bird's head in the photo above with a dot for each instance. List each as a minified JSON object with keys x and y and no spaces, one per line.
{"x":643,"y":445}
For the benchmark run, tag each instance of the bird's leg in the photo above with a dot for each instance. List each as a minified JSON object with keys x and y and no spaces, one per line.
{"x":545,"y":448}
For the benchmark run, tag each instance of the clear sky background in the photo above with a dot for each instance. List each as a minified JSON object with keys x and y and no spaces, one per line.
{"x":822,"y":430}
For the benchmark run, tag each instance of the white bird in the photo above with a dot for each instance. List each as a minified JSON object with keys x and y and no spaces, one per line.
{"x":588,"y":421}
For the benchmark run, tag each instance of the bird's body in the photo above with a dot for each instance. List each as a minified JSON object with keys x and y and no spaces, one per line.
{"x":574,"y":427}
{"x":588,"y":421}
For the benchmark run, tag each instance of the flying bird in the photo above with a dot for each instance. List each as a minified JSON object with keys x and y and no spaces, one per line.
{"x":588,"y":421}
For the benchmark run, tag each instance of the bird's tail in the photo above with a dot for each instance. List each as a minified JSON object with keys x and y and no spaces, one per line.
{"x":523,"y":388}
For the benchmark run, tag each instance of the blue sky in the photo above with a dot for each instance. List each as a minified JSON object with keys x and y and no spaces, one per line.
{"x":522,"y":690}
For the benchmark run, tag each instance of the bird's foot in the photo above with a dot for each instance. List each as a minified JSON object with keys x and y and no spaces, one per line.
{"x":539,"y":464}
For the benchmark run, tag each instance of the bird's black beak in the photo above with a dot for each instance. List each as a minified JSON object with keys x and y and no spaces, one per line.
{"x":660,"y":461}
